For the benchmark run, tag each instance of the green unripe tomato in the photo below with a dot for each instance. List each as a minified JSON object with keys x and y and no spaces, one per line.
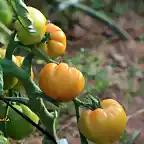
{"x":39,"y":23}
{"x":17,"y":127}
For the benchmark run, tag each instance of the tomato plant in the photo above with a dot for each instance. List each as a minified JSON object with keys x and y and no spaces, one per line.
{"x":17,"y":127}
{"x":103,"y":125}
{"x":57,"y":44}
{"x":39,"y":22}
{"x":61,"y":82}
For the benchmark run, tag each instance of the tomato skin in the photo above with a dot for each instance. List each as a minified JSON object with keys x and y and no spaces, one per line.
{"x":17,"y":127}
{"x":103,"y":125}
{"x":9,"y":81}
{"x":39,"y":22}
{"x":56,"y":46}
{"x":19,"y":86}
{"x":61,"y":82}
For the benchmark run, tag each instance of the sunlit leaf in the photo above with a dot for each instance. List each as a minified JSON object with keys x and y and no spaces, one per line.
{"x":22,"y":14}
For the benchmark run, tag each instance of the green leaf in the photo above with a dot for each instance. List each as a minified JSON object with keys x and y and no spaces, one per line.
{"x":22,"y":14}
{"x":124,"y":138}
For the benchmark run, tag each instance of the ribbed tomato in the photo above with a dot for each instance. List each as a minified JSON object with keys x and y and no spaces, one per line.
{"x":57,"y":44}
{"x":61,"y":82}
{"x":103,"y":125}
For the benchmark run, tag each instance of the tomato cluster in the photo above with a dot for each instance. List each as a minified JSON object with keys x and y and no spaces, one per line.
{"x":62,"y":83}
{"x":69,"y":81}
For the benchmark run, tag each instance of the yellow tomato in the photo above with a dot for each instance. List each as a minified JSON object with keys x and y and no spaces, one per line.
{"x":61,"y":82}
{"x":103,"y":125}
{"x":56,"y":46}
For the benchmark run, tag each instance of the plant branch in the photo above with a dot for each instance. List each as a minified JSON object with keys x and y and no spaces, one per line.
{"x":21,"y":100}
{"x":33,"y":123}
{"x":11,"y":46}
{"x":82,"y":137}
{"x":35,"y":95}
{"x":39,"y":53}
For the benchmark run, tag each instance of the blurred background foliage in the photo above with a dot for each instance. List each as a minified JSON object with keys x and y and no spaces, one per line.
{"x":112,"y":68}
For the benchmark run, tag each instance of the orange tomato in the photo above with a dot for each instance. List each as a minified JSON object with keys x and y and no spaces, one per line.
{"x":56,"y":46}
{"x":61,"y":82}
{"x":103,"y":125}
{"x":19,"y":85}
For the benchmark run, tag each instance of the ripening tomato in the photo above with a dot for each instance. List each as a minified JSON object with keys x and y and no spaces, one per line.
{"x":61,"y":82}
{"x":103,"y":125}
{"x":9,"y":81}
{"x":56,"y":46}
{"x":39,"y":23}
{"x":19,"y":85}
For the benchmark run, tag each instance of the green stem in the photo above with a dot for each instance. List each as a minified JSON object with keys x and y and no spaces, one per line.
{"x":39,"y":53}
{"x":35,"y":95}
{"x":83,"y":104}
{"x":5,"y":123}
{"x":27,"y":63}
{"x":82,"y":137}
{"x":21,"y":100}
{"x":11,"y":47}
